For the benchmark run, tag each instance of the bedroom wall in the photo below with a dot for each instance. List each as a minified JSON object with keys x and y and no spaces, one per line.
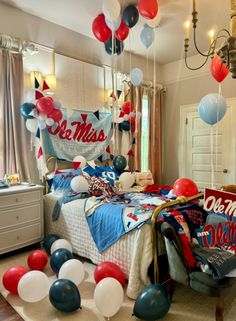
{"x":184,"y":87}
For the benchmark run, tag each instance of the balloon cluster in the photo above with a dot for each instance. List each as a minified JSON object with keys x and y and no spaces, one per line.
{"x":127,"y":117}
{"x":113,"y":21}
{"x":44,"y":113}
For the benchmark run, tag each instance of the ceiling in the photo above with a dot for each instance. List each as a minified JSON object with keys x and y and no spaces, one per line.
{"x":78,"y":15}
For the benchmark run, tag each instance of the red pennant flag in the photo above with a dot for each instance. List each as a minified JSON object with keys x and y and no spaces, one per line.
{"x":130,"y":153}
{"x":84,"y":117}
{"x":76,"y":165}
{"x":108,"y":150}
{"x":38,"y":94}
{"x":45,"y":85}
{"x":40,"y":152}
{"x":121,"y":114}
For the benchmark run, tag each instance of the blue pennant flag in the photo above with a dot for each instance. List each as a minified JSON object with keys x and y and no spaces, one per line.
{"x":100,"y":158}
{"x":38,"y":134}
{"x":111,"y":157}
{"x":96,"y":113}
{"x":36,"y":83}
{"x":134,"y":142}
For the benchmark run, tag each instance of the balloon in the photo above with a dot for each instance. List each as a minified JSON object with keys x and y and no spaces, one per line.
{"x":148,"y":8}
{"x":124,"y":126}
{"x":42,"y":124}
{"x":48,"y":241}
{"x":118,"y":46}
{"x":79,"y":184}
{"x":108,"y":296}
{"x":30,"y":95}
{"x":58,"y":258}
{"x":45,"y":105}
{"x":147,"y":36}
{"x":26,"y":110}
{"x":111,"y":9}
{"x":56,"y":115}
{"x":122,"y":32}
{"x":136,"y":76}
{"x":155,"y":22}
{"x":126,"y":117}
{"x":109,"y":269}
{"x":64,"y":296}
{"x":33,"y":286}
{"x":218,"y":69}
{"x":49,"y":122}
{"x":32,"y":125}
{"x":153,"y":303}
{"x":72,"y":270}
{"x":35,"y":113}
{"x":119,"y":163}
{"x":80,"y":159}
{"x":37,"y":260}
{"x":212,"y":108}
{"x":61,"y":244}
{"x":185,"y":187}
{"x":130,"y":16}
{"x":100,"y":29}
{"x":127,"y":107}
{"x":12,"y":277}
{"x":127,"y":180}
{"x":113,"y":25}
{"x":57,"y":104}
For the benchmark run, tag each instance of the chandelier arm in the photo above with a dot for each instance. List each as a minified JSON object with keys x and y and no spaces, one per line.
{"x":195,"y":44}
{"x":197,"y":68}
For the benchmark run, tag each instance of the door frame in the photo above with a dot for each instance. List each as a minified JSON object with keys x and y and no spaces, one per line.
{"x":184,"y":110}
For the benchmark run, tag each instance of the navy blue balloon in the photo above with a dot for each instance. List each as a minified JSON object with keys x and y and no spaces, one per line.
{"x":118,"y":46}
{"x":64,"y":296}
{"x":48,"y":241}
{"x":130,"y":16}
{"x":58,"y":258}
{"x":153,"y":303}
{"x":119,"y":162}
{"x":125,"y":125}
{"x":26,"y":109}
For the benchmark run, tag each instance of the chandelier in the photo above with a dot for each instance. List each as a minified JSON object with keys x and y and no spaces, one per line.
{"x":227,"y":50}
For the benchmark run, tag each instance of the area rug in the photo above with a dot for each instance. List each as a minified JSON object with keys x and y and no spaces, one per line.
{"x":187,"y":305}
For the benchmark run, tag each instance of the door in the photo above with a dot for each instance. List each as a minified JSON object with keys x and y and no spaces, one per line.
{"x":207,"y":153}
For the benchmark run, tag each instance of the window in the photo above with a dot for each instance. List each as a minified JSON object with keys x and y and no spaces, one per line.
{"x":145,"y":135}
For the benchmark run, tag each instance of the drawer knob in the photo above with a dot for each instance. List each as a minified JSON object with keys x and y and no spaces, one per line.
{"x":16,"y":199}
{"x":17,"y":217}
{"x":17,"y":237}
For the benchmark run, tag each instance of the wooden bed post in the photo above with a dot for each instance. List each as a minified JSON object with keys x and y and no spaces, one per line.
{"x":219,"y":309}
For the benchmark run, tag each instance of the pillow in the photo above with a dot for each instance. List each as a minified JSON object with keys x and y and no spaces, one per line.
{"x":106,"y":172}
{"x":62,"y":180}
{"x":144,"y":178}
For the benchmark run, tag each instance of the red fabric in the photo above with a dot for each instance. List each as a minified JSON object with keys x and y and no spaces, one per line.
{"x":155,"y":188}
{"x":188,"y":253}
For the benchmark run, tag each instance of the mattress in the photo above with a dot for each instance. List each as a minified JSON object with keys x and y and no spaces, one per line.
{"x":132,"y":252}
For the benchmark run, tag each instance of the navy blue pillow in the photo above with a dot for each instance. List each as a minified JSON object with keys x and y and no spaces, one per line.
{"x":62,"y":180}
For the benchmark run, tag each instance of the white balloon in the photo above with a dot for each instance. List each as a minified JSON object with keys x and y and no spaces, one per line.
{"x":155,"y":22}
{"x":72,"y":270}
{"x":81,"y":160}
{"x":61,"y":244}
{"x":111,"y":9}
{"x":126,"y":117}
{"x":108,"y":296}
{"x":33,"y":286}
{"x":127,"y":180}
{"x":79,"y":184}
{"x":42,"y":116}
{"x":30,"y":96}
{"x":35,"y":113}
{"x":42,"y":124}
{"x":49,"y":121}
{"x":32,"y":125}
{"x":136,"y":76}
{"x":113,"y":25}
{"x":57,"y":104}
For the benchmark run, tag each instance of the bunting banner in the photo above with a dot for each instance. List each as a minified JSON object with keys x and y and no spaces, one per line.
{"x":79,"y":133}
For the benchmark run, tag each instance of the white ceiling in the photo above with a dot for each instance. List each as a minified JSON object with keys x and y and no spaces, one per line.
{"x":78,"y":15}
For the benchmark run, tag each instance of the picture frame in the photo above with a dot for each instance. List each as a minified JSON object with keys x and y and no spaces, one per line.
{"x":13,"y":179}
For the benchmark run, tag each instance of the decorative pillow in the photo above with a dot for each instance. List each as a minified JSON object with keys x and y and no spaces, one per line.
{"x":62,"y":180}
{"x":144,"y":178}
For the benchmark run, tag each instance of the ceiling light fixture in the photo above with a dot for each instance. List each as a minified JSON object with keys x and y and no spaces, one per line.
{"x":227,"y":51}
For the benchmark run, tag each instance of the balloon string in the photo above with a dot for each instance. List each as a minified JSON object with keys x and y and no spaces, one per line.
{"x":212,"y":161}
{"x":154,"y":90}
{"x":217,"y":128}
{"x":113,"y":85}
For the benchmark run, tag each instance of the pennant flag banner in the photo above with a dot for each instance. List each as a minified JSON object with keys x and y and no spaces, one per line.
{"x":40,"y":152}
{"x":100,"y":158}
{"x":119,"y":92}
{"x":130,"y":153}
{"x":38,"y":133}
{"x":45,"y":85}
{"x":36,"y":83}
{"x":96,"y":113}
{"x":78,"y":134}
{"x":76,"y":165}
{"x":38,"y":94}
{"x":108,"y":149}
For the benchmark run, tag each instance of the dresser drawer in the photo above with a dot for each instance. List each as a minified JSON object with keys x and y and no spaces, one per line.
{"x":19,"y":198}
{"x":17,"y":238}
{"x":19,"y":215}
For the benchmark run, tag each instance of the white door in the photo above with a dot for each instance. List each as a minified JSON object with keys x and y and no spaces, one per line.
{"x":207,"y":153}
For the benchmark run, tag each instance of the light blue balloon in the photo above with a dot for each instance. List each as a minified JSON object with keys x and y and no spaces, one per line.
{"x":136,"y":76}
{"x":113,"y":25}
{"x":212,"y":108}
{"x":147,"y":36}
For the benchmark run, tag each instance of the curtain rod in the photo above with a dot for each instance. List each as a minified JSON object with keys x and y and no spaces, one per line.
{"x":17,"y":45}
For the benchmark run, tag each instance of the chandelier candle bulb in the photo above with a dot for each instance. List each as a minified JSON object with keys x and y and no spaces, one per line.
{"x":211,"y":34}
{"x":194,"y":5}
{"x":187,"y":29}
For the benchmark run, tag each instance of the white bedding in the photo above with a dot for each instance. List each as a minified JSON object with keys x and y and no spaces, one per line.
{"x":133,"y":251}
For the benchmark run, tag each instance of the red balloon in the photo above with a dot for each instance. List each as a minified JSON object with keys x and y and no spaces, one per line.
{"x":12,"y":277}
{"x":218,"y":69}
{"x":122,"y":32}
{"x":109,"y":269}
{"x":37,"y":260}
{"x":45,"y":105}
{"x":148,"y":8}
{"x":55,"y":114}
{"x":185,"y":187}
{"x":127,"y":107}
{"x":100,"y":29}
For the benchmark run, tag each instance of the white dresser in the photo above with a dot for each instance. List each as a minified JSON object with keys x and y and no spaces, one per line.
{"x":21,"y":216}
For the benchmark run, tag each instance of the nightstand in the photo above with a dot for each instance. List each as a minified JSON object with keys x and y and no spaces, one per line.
{"x":21,"y":216}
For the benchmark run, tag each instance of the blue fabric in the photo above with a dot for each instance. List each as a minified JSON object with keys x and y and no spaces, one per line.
{"x":61,"y":181}
{"x":106,"y":172}
{"x":64,"y":200}
{"x":106,"y":225}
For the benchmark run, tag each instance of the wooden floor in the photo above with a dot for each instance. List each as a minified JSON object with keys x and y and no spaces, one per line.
{"x":7,"y":313}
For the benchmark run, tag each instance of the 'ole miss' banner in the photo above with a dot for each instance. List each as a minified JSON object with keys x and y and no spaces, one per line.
{"x":87,"y":134}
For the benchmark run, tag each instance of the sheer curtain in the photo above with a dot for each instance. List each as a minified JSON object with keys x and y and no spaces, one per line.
{"x":14,"y":139}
